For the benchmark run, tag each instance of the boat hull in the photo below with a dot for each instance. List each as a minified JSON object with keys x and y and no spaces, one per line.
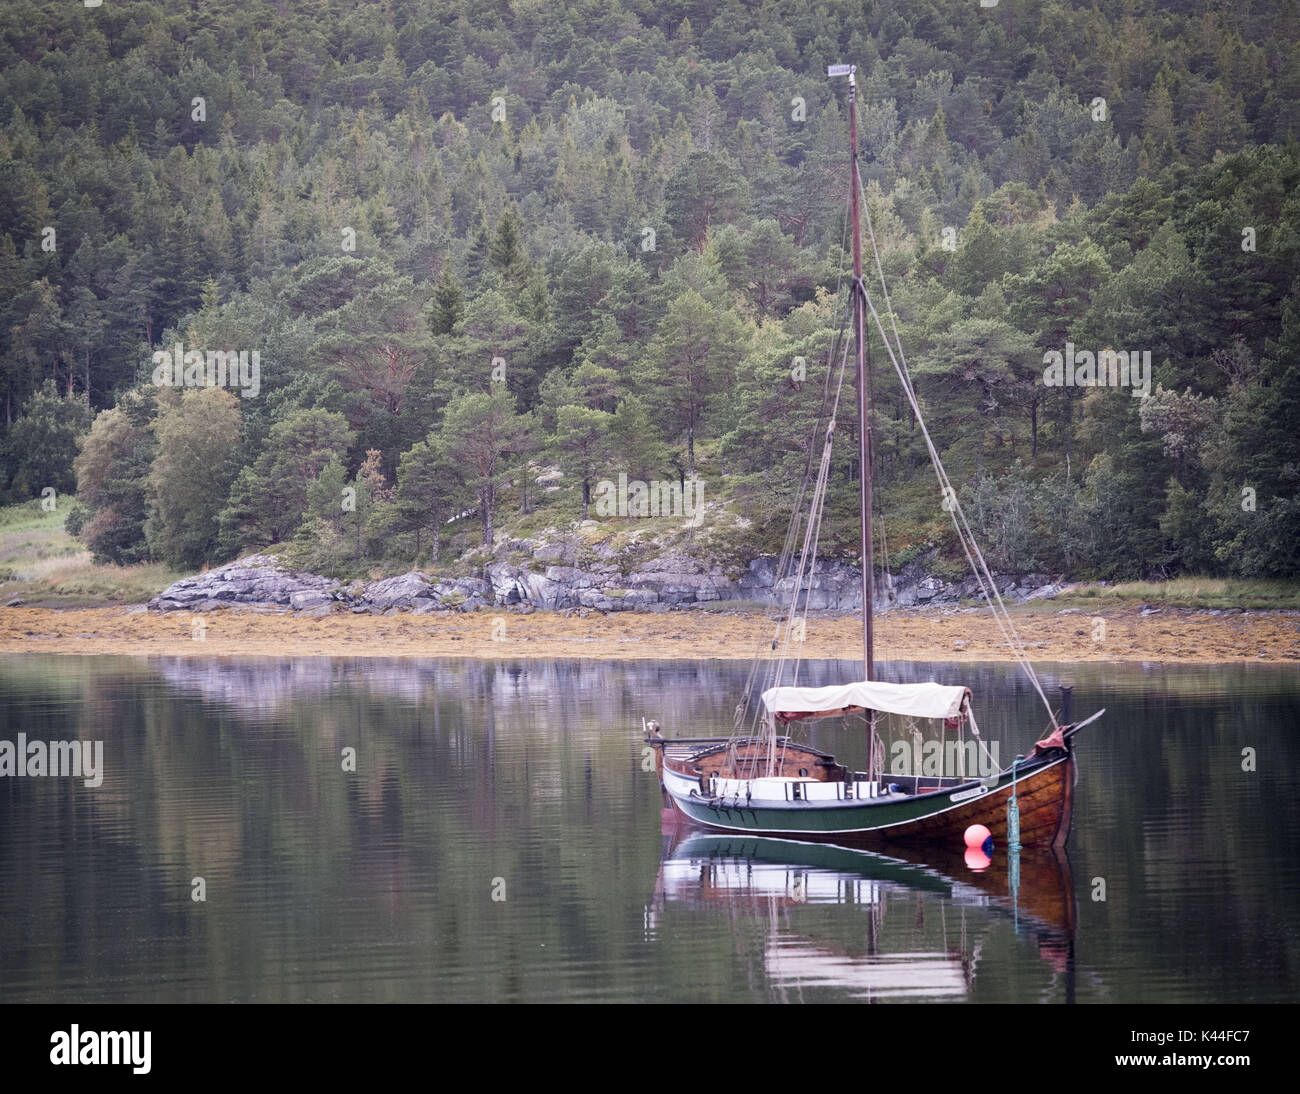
{"x":1044,"y":792}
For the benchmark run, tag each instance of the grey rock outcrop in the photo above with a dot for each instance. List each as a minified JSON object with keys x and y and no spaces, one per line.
{"x":259,"y":580}
{"x":554,"y":579}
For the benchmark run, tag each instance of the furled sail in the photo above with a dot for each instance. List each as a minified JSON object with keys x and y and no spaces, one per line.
{"x":929,"y":700}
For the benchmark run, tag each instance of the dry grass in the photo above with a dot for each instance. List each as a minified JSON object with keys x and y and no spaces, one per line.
{"x":42,"y":564}
{"x":1188,"y":592}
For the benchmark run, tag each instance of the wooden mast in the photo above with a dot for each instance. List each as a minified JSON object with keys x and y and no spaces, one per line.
{"x":864,"y":419}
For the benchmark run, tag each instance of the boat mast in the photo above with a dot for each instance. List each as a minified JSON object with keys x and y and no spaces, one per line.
{"x":864,"y":419}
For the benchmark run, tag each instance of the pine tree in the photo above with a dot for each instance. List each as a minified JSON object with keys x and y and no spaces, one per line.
{"x":430,"y":487}
{"x":582,"y":439}
{"x":689,"y":363}
{"x":445,"y":308}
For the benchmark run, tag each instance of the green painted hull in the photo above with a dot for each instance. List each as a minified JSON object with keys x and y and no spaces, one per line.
{"x":932,"y":816}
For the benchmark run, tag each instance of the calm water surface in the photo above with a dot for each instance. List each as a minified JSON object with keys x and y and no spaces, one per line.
{"x":524,"y":781}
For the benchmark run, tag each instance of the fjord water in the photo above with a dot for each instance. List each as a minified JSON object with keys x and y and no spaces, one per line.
{"x":500,"y":840}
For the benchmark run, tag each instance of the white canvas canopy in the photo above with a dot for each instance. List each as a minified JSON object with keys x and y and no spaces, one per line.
{"x":929,"y":700}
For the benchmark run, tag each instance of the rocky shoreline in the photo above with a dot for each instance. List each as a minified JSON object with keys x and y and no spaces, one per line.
{"x":553,"y":580}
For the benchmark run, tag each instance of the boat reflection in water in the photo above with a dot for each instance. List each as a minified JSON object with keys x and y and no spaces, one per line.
{"x":925,"y":915}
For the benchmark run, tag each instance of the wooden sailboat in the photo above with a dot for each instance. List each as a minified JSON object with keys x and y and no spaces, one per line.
{"x":764,"y":783}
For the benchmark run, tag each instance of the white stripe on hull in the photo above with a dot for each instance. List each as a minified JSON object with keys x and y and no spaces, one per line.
{"x":812,"y":806}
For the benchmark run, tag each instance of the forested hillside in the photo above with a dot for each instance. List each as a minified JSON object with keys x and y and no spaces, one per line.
{"x":469,"y":259}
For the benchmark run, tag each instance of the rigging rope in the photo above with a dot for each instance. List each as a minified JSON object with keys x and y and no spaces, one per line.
{"x":812,"y":536}
{"x":964,"y":534}
{"x":796,"y":619}
{"x":787,"y":549}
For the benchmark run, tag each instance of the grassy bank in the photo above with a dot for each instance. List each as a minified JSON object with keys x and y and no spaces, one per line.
{"x":1182,"y":592}
{"x":44,"y":566}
